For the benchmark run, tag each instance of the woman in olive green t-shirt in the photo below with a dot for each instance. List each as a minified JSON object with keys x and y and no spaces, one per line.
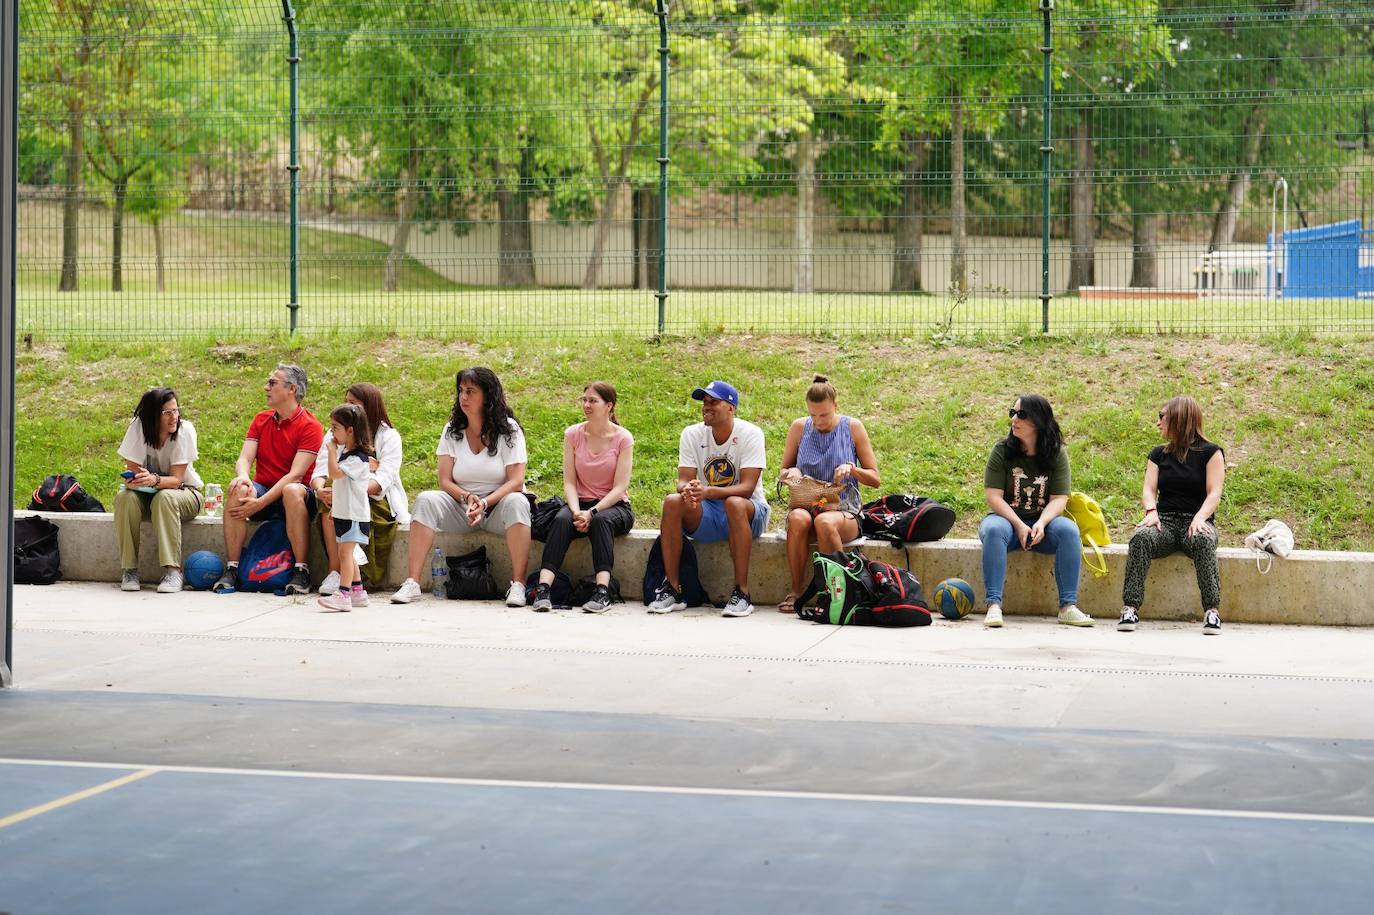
{"x":1026,"y":484}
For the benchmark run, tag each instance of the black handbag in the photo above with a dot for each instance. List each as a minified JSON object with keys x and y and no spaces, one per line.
{"x":469,"y":577}
{"x":542,"y":515}
{"x":37,"y":559}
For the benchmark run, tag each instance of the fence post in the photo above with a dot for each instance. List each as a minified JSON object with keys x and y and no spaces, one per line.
{"x":294,"y":166}
{"x":661,"y":8}
{"x":9,"y":184}
{"x":1046,"y":152}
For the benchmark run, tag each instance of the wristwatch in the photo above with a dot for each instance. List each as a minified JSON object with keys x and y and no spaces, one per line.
{"x":591,"y":512}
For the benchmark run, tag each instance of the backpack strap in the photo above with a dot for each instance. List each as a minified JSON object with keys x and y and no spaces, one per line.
{"x":1093,"y":558}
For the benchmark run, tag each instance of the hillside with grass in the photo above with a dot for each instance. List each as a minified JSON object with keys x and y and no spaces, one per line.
{"x":1294,"y":414}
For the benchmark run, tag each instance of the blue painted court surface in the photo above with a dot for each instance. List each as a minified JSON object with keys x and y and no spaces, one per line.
{"x":181,"y":839}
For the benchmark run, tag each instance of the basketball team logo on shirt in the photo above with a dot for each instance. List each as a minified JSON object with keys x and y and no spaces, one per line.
{"x":720,"y":471}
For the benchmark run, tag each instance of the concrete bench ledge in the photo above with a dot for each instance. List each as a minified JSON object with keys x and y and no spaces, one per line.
{"x":1313,"y":587}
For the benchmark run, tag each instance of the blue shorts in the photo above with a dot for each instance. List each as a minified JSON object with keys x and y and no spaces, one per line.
{"x":277,"y":510}
{"x":346,"y":531}
{"x":715,"y":528}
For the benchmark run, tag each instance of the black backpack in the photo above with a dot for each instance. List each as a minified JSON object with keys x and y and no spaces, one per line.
{"x":692,"y":592}
{"x":560,"y":592}
{"x":469,"y":577}
{"x":582,"y":591}
{"x":37,"y":559}
{"x":900,"y":518}
{"x":61,"y":493}
{"x":895,"y":597}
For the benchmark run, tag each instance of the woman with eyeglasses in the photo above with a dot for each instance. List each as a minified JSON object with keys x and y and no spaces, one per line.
{"x":598,"y":459}
{"x":1183,"y":481}
{"x":1026,"y":484}
{"x":159,"y":451}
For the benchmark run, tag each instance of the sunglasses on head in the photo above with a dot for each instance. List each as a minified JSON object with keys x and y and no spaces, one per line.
{"x":1018,"y":414}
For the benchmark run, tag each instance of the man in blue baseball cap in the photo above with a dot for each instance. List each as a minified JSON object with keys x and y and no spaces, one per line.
{"x":719,"y":496}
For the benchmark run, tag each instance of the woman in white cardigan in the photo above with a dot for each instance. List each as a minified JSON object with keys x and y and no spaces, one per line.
{"x":390,"y":505}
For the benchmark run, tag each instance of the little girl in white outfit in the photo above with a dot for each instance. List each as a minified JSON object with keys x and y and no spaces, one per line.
{"x":351,"y":457}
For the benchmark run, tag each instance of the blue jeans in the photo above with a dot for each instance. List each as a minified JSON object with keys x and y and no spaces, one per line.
{"x":1061,"y":538}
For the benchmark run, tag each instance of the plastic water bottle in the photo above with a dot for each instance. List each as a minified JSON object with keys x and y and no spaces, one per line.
{"x":438,"y":573}
{"x":214,"y":500}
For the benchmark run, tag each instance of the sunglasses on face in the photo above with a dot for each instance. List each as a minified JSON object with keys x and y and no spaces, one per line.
{"x":1018,"y":414}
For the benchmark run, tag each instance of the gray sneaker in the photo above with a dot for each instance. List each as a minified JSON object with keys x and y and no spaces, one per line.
{"x":129,"y":580}
{"x":171,"y":582}
{"x":599,"y":602}
{"x":300,"y":581}
{"x":666,"y":600}
{"x":738,"y":604}
{"x":543,"y":599}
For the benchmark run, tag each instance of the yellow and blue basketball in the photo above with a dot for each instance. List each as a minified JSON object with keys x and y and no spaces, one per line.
{"x":203,"y":568}
{"x":953,"y":598}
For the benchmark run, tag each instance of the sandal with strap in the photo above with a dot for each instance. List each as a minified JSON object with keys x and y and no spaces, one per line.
{"x":788,"y":604}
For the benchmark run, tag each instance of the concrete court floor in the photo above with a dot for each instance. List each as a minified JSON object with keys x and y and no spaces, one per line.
{"x":734,"y":761}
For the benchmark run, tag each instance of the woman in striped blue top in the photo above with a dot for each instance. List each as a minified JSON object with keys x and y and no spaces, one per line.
{"x":824,"y":446}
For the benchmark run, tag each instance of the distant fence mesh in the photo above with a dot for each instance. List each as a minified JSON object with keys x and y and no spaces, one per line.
{"x":871,"y":166}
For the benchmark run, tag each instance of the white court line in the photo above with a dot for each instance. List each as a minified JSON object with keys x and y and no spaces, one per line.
{"x":724,"y":792}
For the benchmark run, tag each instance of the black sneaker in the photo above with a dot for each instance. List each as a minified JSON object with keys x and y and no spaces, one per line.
{"x":599,"y":602}
{"x":1211,"y":623}
{"x":1129,"y":620}
{"x":227,"y":583}
{"x":543,"y":599}
{"x":300,"y":582}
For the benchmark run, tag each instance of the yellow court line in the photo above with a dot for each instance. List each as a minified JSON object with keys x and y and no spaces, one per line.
{"x":32,"y":812}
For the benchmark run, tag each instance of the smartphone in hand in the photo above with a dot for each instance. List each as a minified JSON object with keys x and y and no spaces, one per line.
{"x":128,"y":474}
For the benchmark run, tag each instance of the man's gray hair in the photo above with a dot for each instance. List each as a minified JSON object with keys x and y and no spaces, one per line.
{"x":295,"y":375}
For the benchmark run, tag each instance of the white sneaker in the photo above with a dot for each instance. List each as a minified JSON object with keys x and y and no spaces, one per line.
{"x":171,"y":582}
{"x":407,"y":592}
{"x":1072,"y":616}
{"x":515,"y":597}
{"x":330,"y":584}
{"x":993,"y":619}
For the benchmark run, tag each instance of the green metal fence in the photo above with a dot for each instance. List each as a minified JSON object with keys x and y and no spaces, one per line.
{"x":532,"y":167}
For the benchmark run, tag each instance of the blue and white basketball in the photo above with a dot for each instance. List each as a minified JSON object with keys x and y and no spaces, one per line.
{"x":953,"y":598}
{"x":203,"y":568}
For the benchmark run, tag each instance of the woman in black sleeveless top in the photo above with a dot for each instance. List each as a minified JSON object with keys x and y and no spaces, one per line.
{"x":1183,"y":481}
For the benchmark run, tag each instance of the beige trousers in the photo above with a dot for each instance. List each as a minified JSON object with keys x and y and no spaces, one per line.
{"x":168,"y":508}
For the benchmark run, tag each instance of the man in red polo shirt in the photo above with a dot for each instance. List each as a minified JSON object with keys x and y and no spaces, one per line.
{"x":283,"y":441}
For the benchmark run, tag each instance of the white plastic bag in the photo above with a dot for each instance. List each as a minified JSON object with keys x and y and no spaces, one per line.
{"x":1274,"y":539}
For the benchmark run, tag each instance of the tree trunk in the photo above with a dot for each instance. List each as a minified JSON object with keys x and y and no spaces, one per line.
{"x":646,"y":238}
{"x":158,"y":255}
{"x":910,"y":223}
{"x":405,"y":208}
{"x":804,"y":277}
{"x":958,"y":208}
{"x":592,"y":278}
{"x":121,"y":194}
{"x":71,"y":194}
{"x":1144,"y":250}
{"x":515,"y":262}
{"x":1224,"y":226}
{"x":1083,"y":218}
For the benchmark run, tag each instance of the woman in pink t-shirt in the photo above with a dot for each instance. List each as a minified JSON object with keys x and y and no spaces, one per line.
{"x":598,"y":456}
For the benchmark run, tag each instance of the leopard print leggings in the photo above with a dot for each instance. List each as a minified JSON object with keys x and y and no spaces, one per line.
{"x":1148,"y":544}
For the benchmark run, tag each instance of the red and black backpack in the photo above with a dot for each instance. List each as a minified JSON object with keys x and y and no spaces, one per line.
{"x":905,"y":519}
{"x":61,"y":493}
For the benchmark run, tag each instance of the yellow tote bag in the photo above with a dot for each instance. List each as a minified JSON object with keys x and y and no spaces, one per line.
{"x":1084,"y":511}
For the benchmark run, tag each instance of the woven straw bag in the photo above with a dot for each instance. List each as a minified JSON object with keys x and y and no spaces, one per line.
{"x":813,"y":495}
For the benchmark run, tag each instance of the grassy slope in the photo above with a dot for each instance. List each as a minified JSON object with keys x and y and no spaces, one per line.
{"x":1295,"y":415}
